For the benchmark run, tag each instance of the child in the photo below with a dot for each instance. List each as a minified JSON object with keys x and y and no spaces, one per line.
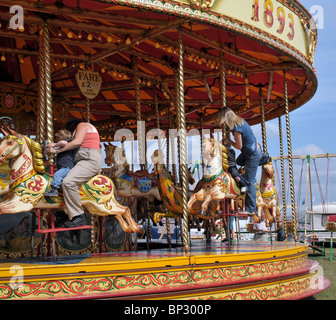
{"x":233,"y":170}
{"x":64,"y":162}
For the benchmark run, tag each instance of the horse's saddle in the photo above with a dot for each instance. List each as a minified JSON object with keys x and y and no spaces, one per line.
{"x":140,"y":174}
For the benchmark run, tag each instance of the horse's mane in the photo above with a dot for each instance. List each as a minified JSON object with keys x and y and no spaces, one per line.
{"x":225,"y":162}
{"x":36,"y":150}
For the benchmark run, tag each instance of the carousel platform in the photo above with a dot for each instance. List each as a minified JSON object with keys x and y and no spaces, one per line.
{"x":249,"y":270}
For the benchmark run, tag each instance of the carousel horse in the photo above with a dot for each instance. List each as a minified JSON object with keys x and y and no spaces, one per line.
{"x":139,"y":184}
{"x":217,"y":183}
{"x":172,"y":195}
{"x":269,"y":198}
{"x":28,"y":182}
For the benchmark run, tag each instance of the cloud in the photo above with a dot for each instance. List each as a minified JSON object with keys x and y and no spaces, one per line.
{"x":310,"y":149}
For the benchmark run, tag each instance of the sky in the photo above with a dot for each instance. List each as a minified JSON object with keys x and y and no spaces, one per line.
{"x":313,"y":126}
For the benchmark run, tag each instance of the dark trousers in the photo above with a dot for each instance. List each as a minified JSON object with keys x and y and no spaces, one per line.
{"x":251,"y":162}
{"x":237,"y":176}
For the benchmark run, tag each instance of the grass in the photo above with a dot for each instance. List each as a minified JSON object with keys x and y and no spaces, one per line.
{"x":329,"y":271}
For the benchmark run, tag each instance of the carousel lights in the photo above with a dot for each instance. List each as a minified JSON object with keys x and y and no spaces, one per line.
{"x":3,"y":57}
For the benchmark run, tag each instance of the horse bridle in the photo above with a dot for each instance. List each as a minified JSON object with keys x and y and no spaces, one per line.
{"x":18,"y":145}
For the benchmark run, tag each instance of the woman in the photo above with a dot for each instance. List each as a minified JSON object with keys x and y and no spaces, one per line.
{"x":251,"y":155}
{"x":88,"y":160}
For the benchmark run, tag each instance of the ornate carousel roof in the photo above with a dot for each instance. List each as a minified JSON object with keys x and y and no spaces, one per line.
{"x":262,"y":42}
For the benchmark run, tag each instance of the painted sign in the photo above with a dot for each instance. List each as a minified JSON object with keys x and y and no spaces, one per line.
{"x":89,"y":83}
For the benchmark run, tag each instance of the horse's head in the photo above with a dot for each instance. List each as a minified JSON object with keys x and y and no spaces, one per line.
{"x":268,"y":169}
{"x":158,"y":160}
{"x":109,"y":150}
{"x":11,"y":145}
{"x":191,"y":179}
{"x":209,"y":149}
{"x":14,"y":145}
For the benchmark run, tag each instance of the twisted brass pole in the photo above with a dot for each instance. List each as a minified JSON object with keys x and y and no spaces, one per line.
{"x":263,"y":125}
{"x":290,"y":160}
{"x":48,"y":91}
{"x":222,"y":84}
{"x":142,"y":154}
{"x":41,"y":104}
{"x":283,"y":184}
{"x":183,"y":146}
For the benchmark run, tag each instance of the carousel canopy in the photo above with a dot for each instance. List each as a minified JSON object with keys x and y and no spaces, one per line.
{"x":262,"y":42}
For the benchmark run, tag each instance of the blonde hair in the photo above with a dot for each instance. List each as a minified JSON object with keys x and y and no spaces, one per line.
{"x":229,"y":118}
{"x":63,"y":134}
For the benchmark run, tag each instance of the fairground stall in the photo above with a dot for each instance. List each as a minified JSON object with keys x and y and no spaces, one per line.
{"x":136,"y":70}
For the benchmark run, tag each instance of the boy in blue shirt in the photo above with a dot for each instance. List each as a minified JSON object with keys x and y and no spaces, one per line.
{"x":64,"y":162}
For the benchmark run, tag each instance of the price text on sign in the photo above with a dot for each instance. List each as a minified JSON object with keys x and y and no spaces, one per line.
{"x":89,"y":83}
{"x":273,"y":15}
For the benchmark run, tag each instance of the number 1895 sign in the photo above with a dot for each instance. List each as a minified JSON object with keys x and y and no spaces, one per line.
{"x":89,"y":83}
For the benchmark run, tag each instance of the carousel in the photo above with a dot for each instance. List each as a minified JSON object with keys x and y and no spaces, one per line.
{"x":151,"y":76}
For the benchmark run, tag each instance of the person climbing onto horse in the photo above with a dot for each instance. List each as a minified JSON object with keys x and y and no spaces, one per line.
{"x":251,"y":155}
{"x":87,"y":160}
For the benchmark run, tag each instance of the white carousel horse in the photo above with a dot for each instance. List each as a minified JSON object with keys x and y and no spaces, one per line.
{"x":217,"y":183}
{"x":28,"y":183}
{"x":139,"y":184}
{"x":269,"y":198}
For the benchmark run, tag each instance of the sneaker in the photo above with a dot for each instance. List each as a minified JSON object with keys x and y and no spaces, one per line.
{"x":53,"y":192}
{"x":243,"y":190}
{"x":76,"y":221}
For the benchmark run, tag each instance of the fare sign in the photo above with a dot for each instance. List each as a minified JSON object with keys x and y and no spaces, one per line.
{"x":89,"y":83}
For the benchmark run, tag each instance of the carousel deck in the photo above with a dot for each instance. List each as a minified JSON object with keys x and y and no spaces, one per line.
{"x":249,"y":270}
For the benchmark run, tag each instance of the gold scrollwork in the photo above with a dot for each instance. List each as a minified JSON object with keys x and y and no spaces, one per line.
{"x":203,"y":5}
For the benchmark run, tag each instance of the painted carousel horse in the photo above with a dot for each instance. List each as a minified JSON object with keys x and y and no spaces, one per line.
{"x":217,"y":183}
{"x":139,"y":184}
{"x":28,"y":182}
{"x":171,"y":195}
{"x":269,"y":198}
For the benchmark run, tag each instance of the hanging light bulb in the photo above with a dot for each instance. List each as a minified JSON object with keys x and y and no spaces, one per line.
{"x":21,"y":59}
{"x":70,"y":35}
{"x":157,"y":45}
{"x":79,"y":35}
{"x":89,"y":37}
{"x":3,"y":57}
{"x":128,"y":40}
{"x":60,"y":32}
{"x":109,"y":39}
{"x":64,"y":64}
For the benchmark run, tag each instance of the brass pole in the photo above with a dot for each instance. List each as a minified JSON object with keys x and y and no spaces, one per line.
{"x":142,"y":154}
{"x":290,"y":159}
{"x":263,"y":125}
{"x":283,"y":184}
{"x":48,"y":91}
{"x":41,"y":112}
{"x":183,"y":146}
